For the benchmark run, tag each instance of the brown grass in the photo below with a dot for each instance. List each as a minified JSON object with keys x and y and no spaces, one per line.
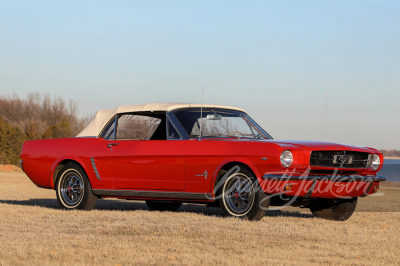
{"x":34,"y":231}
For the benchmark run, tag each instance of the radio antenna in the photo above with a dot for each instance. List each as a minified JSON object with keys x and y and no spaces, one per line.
{"x":201,"y":111}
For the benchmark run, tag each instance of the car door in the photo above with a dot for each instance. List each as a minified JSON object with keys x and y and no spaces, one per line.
{"x":142,"y":158}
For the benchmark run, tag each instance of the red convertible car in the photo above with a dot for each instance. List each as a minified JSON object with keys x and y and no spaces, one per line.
{"x":170,"y":153}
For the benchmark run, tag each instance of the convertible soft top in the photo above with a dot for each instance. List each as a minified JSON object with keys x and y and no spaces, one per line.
{"x":103,"y":116}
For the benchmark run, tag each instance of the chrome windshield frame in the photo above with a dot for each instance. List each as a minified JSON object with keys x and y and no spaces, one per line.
{"x":181,"y":130}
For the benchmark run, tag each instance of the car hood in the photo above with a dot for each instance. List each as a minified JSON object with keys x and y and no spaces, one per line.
{"x":304,"y":144}
{"x":320,"y":145}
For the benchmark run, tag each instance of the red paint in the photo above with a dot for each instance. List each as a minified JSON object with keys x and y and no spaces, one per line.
{"x":178,"y":165}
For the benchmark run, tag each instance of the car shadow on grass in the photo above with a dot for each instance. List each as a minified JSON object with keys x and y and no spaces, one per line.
{"x":125,"y":205}
{"x":46,"y":203}
{"x":104,"y":205}
{"x":288,"y":214}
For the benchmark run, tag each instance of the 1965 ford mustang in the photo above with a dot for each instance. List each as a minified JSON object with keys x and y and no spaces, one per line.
{"x":170,"y":153}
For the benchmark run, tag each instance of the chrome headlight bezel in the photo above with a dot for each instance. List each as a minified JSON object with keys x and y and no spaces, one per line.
{"x":375,"y":162}
{"x":286,"y":158}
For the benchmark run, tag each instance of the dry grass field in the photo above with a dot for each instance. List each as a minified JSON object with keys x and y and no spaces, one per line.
{"x":33,"y":230}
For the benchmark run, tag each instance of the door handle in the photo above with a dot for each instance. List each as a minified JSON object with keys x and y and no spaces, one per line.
{"x":110,"y":145}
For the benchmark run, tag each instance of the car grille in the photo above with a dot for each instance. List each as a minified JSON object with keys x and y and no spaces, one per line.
{"x":340,"y":159}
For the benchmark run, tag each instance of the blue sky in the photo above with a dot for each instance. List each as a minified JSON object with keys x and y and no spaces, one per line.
{"x":276,"y":59}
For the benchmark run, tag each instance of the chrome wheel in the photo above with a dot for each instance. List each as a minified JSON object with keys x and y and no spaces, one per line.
{"x":239,"y":194}
{"x":72,"y":188}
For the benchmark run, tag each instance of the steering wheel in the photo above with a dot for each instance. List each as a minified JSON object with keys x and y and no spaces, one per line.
{"x":236,"y":132}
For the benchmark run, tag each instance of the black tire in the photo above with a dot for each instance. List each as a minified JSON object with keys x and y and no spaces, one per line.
{"x":163,"y":205}
{"x":73,"y":189}
{"x":240,"y":195}
{"x":334,"y":210}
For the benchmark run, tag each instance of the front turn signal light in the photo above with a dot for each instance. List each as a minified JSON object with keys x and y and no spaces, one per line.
{"x":287,"y":187}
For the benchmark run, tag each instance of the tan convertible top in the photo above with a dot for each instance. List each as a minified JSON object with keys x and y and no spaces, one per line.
{"x":103,"y":116}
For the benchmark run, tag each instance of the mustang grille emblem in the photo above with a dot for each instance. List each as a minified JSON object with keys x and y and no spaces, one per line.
{"x":342,"y":159}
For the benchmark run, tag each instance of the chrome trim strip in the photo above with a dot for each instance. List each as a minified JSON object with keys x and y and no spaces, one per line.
{"x":95,"y":168}
{"x":332,"y":178}
{"x":369,"y":160}
{"x":153,"y":194}
{"x":115,"y":127}
{"x":258,"y":126}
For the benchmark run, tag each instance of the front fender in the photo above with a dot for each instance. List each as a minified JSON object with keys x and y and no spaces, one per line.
{"x":239,"y":160}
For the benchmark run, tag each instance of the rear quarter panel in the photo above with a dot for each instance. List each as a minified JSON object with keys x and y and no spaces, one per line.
{"x":40,"y":158}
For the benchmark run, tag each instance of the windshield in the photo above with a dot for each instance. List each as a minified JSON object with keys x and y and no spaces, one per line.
{"x":219,"y":123}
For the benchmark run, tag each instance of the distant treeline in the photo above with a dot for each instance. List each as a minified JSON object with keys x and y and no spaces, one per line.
{"x":36,"y":117}
{"x":391,"y":153}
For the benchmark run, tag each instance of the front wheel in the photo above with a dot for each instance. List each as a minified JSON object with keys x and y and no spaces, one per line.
{"x":241,"y":195}
{"x":73,"y":189}
{"x":334,"y":210}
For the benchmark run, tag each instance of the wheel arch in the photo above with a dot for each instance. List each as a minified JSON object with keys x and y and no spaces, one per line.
{"x":60,"y":163}
{"x":228,"y":164}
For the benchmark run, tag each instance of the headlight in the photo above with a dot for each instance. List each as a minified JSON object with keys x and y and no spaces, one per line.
{"x":286,"y":158}
{"x":375,"y":162}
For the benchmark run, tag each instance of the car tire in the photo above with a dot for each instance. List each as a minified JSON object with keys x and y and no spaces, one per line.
{"x":73,"y":189}
{"x":334,"y":210}
{"x":240,"y":195}
{"x":163,"y":205}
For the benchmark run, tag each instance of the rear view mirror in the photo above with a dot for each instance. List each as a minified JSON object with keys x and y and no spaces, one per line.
{"x":214,"y":117}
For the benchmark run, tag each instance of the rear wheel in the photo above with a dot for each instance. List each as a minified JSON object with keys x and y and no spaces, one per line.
{"x":73,"y":189}
{"x":334,"y":210}
{"x":241,"y":196}
{"x":163,"y":205}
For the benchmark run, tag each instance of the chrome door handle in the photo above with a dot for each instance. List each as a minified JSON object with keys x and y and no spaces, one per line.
{"x":112,"y":144}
